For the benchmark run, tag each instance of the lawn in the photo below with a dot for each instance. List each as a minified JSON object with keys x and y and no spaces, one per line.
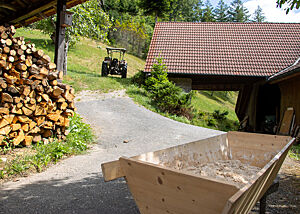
{"x":84,"y":61}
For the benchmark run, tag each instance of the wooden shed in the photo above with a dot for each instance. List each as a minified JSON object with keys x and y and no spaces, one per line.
{"x":260,"y":60}
{"x":266,"y":102}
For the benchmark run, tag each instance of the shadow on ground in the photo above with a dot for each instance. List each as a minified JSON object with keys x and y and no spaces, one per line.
{"x":92,"y":195}
{"x":89,"y":195}
{"x":286,"y":200}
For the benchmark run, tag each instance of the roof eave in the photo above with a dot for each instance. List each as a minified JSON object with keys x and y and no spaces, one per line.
{"x":285,"y":76}
{"x":232,"y":75}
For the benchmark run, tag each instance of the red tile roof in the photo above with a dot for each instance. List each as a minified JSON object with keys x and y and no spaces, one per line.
{"x":243,"y":49}
{"x":287,"y":71}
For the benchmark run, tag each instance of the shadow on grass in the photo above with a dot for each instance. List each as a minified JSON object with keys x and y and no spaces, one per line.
{"x":218,"y":96}
{"x":123,"y":81}
{"x":209,"y":95}
{"x":88,"y":195}
{"x":88,"y":74}
{"x":218,"y":124}
{"x":45,"y":44}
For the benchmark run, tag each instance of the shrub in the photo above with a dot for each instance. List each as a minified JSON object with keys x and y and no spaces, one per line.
{"x":158,"y":76}
{"x":218,"y":115}
{"x":139,"y":78}
{"x":168,"y":97}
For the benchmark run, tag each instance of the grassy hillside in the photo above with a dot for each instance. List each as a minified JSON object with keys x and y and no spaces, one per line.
{"x":84,"y":61}
{"x":84,"y":68}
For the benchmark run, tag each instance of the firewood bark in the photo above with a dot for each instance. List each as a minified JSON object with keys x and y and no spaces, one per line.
{"x":34,"y":105}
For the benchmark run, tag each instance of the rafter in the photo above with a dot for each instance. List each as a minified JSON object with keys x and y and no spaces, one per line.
{"x":7,"y":6}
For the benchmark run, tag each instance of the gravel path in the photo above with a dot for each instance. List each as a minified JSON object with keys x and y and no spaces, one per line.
{"x":75,"y":185}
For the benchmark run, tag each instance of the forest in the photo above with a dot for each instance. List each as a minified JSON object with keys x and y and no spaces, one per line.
{"x":130,"y":23}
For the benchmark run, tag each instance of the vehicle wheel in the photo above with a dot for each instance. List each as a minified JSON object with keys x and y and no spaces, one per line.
{"x":104,"y":70}
{"x":124,"y":72}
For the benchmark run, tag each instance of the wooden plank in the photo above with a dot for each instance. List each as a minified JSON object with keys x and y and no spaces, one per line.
{"x":165,"y":190}
{"x":255,"y":149}
{"x":7,"y":6}
{"x":159,"y":189}
{"x":34,"y":11}
{"x":202,"y":151}
{"x":111,"y":170}
{"x":243,"y":201}
{"x":286,"y":122}
{"x":290,"y":96}
{"x":59,"y":55}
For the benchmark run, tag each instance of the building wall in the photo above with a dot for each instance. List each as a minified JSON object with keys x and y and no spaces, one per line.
{"x":290,"y":96}
{"x":184,"y":83}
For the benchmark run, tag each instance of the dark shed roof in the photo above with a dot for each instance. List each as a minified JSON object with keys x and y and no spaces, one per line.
{"x":24,"y":12}
{"x":240,"y":49}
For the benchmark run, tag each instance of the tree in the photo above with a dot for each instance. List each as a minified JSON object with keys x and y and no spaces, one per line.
{"x":197,"y":11}
{"x":258,"y":15}
{"x":157,"y":8}
{"x":221,"y":12}
{"x":237,"y":12}
{"x":291,"y":4}
{"x":208,"y":15}
{"x":185,"y":10}
{"x":89,"y":20}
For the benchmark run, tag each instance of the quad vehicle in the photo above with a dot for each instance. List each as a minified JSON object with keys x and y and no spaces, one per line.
{"x":114,"y":66}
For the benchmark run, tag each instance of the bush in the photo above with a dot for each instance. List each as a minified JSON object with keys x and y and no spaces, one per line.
{"x":139,"y":78}
{"x":168,"y":97}
{"x":218,"y":115}
{"x":158,"y":77}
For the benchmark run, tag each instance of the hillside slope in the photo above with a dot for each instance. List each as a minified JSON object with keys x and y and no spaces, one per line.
{"x":84,"y":61}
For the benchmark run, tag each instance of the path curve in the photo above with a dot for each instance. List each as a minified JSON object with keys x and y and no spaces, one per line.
{"x":75,"y":185}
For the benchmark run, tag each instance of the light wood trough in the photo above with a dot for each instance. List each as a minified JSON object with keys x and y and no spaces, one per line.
{"x":159,"y":189}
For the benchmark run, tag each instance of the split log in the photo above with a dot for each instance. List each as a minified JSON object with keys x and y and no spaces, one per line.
{"x":34,"y":105}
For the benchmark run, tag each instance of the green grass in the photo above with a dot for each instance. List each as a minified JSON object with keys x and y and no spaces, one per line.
{"x":41,"y":155}
{"x":202,"y":106}
{"x":219,"y":100}
{"x":295,"y":152}
{"x":84,"y":62}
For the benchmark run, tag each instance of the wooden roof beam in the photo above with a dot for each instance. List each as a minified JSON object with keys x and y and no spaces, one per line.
{"x":34,"y":11}
{"x":7,"y":6}
{"x":21,"y":3}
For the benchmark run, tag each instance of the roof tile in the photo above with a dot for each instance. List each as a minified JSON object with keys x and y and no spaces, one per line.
{"x":246,"y":49}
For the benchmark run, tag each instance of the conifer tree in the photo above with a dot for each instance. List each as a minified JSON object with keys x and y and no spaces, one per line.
{"x":208,"y":15}
{"x":157,"y":8}
{"x":221,"y":12}
{"x":258,"y":15}
{"x":237,"y":12}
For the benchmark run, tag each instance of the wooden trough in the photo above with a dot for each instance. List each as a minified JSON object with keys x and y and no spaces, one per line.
{"x":160,"y":189}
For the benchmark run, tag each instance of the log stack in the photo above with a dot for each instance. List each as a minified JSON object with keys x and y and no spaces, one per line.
{"x":34,"y":105}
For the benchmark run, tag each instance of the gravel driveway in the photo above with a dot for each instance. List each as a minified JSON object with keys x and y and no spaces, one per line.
{"x":75,"y":185}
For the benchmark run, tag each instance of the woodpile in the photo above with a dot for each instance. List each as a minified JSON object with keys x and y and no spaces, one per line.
{"x":34,"y":105}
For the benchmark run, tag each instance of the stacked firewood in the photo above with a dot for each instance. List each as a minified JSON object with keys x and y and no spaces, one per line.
{"x":34,"y":105}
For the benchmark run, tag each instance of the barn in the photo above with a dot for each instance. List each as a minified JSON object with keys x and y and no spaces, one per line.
{"x":260,"y":60}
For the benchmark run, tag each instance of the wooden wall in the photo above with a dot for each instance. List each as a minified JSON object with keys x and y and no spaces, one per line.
{"x":290,"y":96}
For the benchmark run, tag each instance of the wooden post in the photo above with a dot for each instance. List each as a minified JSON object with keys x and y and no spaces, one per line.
{"x":60,"y":36}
